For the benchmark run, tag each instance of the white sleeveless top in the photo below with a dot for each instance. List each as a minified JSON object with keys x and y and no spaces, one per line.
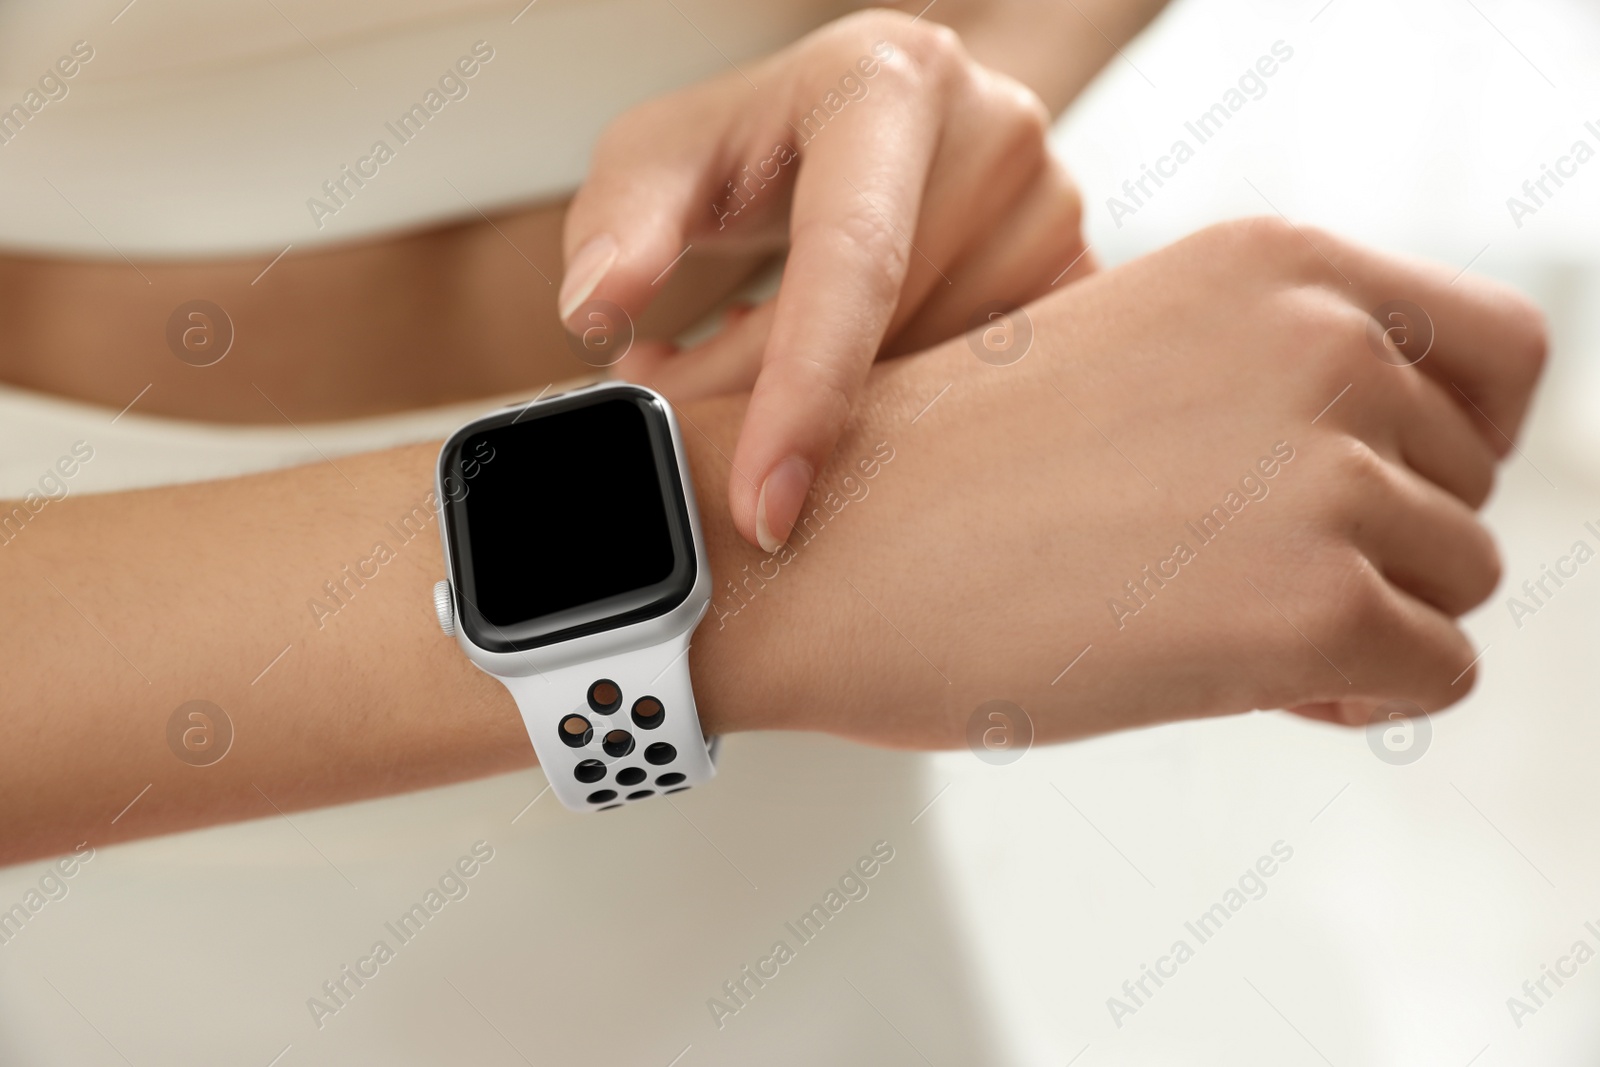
{"x":189,"y":128}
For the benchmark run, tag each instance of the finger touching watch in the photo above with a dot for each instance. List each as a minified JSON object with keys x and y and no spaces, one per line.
{"x":578,"y":574}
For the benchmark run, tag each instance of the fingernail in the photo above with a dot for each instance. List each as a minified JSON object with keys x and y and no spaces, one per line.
{"x":588,"y":267}
{"x":778,"y":506}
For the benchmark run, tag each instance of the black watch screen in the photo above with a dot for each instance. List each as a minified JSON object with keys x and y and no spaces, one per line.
{"x":566,"y":518}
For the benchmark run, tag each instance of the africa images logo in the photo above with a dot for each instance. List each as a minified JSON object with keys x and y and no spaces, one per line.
{"x":1252,"y":85}
{"x":851,"y":886}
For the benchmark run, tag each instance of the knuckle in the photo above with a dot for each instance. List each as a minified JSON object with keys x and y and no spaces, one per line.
{"x":1362,"y":608}
{"x":924,"y":53}
{"x":876,"y":34}
{"x":825,"y":385}
{"x":933,"y":44}
{"x":895,"y":37}
{"x":903,"y":78}
{"x":1361,"y":485}
{"x":1256,"y":236}
{"x":1329,"y":623}
{"x":1362,"y":477}
{"x":1334,"y":335}
{"x":1360,"y":612}
{"x":1385,"y":649}
{"x":1287,"y":251}
{"x":1022,"y":119}
{"x":865,"y":238}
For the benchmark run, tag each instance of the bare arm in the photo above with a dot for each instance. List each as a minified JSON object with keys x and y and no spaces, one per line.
{"x":125,"y":606}
{"x":973,"y":534}
{"x":950,"y":161}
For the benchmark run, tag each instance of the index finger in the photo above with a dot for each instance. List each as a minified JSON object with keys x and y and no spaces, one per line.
{"x":856,"y":203}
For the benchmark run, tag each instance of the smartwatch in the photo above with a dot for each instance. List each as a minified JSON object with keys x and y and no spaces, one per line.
{"x":577,"y":576}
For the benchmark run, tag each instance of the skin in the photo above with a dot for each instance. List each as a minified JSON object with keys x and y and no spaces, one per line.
{"x":911,"y":184}
{"x":342,"y":333}
{"x":977,"y":566}
{"x":357,"y":330}
{"x":1361,"y":555}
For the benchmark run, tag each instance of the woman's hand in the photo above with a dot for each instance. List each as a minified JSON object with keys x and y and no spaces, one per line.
{"x":971,"y":539}
{"x":912,"y":186}
{"x":1201,"y":492}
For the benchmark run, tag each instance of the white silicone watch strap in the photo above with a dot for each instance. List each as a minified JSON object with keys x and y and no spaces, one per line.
{"x":650,"y":761}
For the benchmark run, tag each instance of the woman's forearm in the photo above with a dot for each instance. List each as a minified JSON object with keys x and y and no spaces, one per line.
{"x":976,"y":537}
{"x":264,"y":596}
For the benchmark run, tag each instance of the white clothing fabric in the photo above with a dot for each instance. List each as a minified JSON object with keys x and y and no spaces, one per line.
{"x":208,"y":129}
{"x":191,"y":129}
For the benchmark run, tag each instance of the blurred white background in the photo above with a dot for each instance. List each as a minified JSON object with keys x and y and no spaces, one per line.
{"x":1418,"y":898}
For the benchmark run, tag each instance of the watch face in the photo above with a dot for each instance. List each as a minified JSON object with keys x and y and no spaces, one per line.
{"x":566,"y":519}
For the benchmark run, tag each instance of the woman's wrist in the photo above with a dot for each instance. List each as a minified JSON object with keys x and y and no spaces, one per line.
{"x":731,"y":672}
{"x":770,"y":653}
